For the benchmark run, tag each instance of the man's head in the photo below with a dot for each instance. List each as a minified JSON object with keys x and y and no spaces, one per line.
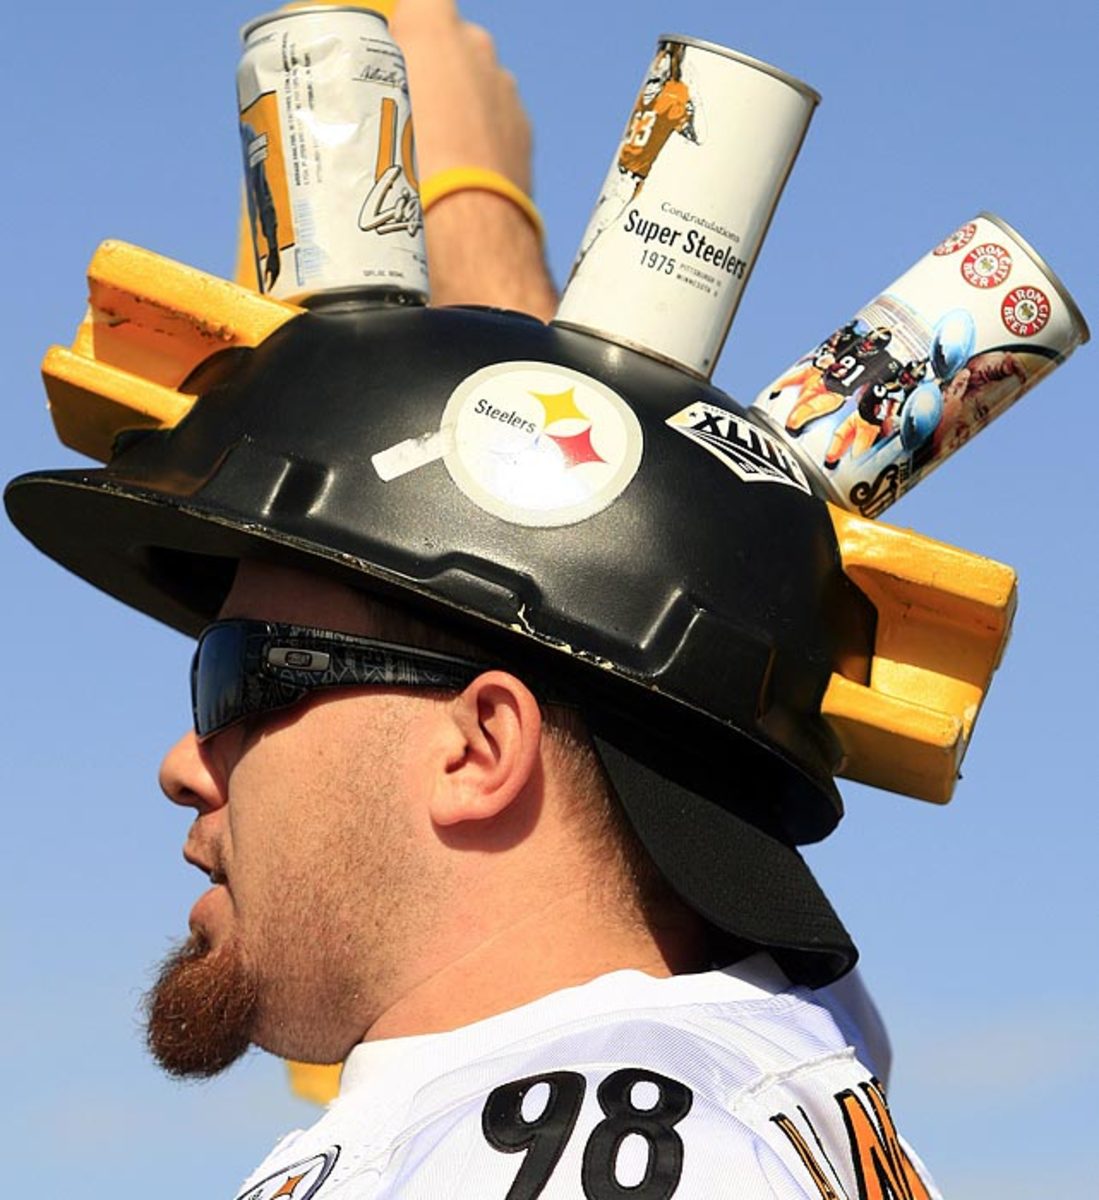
{"x":697,"y":646}
{"x":346,"y":835}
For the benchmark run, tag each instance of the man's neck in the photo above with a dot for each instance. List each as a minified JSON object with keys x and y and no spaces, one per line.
{"x":562,"y":944}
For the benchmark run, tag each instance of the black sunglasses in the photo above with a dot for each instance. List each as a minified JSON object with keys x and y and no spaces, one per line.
{"x":246,"y":668}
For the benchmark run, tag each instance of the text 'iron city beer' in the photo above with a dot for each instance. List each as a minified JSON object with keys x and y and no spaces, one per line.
{"x":687,"y":202}
{"x":329,"y":162}
{"x":923,"y":367}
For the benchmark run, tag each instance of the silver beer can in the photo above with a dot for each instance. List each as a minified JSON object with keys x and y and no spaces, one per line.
{"x":329,"y":160}
{"x":955,"y":341}
{"x":710,"y":141}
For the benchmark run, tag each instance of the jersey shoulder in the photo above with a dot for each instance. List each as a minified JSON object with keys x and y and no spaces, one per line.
{"x":657,"y":1101}
{"x":594,"y":1132}
{"x":765,"y":1102}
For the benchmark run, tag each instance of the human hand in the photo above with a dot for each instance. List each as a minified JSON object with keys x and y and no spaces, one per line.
{"x":467,"y":107}
{"x":481,"y":248}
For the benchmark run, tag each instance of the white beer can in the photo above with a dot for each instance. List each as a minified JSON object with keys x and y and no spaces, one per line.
{"x":709,"y":143}
{"x":925,"y":366}
{"x":329,"y":161}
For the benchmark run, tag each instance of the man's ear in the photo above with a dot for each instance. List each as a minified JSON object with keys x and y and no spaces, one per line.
{"x":491,"y":743}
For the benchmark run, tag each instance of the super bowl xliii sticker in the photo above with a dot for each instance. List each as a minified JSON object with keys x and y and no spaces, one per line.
{"x":751,"y":453}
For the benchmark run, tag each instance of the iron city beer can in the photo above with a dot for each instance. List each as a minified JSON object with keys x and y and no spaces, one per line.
{"x":709,"y":143}
{"x":329,"y":161}
{"x":946,"y":348}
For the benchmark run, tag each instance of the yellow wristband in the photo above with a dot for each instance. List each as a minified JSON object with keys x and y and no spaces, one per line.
{"x":479,"y":179}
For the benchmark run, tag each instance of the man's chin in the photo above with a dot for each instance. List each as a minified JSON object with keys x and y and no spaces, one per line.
{"x":201,"y":1011}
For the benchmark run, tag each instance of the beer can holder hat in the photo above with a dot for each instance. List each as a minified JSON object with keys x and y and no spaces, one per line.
{"x":611,"y":525}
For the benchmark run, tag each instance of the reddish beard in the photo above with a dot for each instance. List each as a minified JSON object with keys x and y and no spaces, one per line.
{"x":201,"y":1011}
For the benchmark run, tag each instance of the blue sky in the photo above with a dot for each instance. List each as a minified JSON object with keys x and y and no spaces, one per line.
{"x":977,"y":922}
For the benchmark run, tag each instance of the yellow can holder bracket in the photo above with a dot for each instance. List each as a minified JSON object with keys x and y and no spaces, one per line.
{"x":150,"y":323}
{"x":944,"y":618}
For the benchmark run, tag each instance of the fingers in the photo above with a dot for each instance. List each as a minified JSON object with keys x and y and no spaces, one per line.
{"x":468,"y":113}
{"x":480,"y":42}
{"x":466,"y":106}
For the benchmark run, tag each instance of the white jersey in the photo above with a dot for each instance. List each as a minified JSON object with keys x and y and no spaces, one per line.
{"x":733,"y":1083}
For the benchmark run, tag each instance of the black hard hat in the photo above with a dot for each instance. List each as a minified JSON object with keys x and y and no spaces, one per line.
{"x":611,"y":524}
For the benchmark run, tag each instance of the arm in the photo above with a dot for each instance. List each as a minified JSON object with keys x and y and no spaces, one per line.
{"x":481,"y":248}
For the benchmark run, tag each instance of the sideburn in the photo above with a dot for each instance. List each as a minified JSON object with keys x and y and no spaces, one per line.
{"x":201,"y":1011}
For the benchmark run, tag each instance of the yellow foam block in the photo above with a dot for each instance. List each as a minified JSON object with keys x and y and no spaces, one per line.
{"x":944,"y":617}
{"x":92,"y":402}
{"x":150,"y":323}
{"x":892,"y":744}
{"x":160,"y":319}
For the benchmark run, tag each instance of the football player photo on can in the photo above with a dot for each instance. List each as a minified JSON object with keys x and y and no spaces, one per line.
{"x":891,"y":394}
{"x":329,"y":161}
{"x":705,"y":154}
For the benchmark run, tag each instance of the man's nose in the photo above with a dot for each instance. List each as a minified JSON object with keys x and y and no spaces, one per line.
{"x":187,"y":776}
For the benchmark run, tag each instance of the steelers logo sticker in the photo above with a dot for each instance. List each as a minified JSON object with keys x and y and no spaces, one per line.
{"x":959,"y":238}
{"x":986,"y":265}
{"x":540,"y":445}
{"x":300,"y":1181}
{"x":1025,"y":311}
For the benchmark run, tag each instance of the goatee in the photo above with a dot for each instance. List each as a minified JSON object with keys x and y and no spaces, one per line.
{"x":201,"y":1011}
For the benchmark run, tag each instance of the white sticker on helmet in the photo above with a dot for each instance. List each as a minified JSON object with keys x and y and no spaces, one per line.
{"x":538,"y":444}
{"x":411,"y":454}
